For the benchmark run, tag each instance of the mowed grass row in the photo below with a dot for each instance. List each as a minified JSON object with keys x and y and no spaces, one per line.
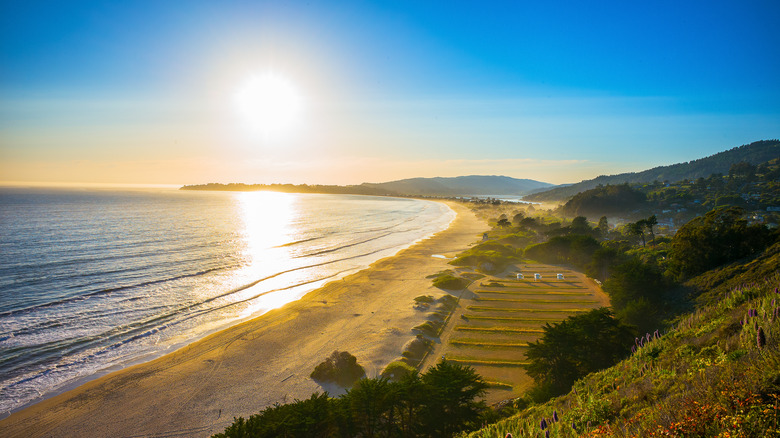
{"x":535,"y":293}
{"x":521,"y":310}
{"x":480,"y":343}
{"x":487,"y":362}
{"x":534,"y":300}
{"x":525,"y":319}
{"x":488,"y":329}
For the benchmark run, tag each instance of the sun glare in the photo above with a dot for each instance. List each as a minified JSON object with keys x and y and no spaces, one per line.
{"x":269,"y":104}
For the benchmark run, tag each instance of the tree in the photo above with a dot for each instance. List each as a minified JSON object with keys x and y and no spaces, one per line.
{"x":371,"y":404}
{"x":603,"y":226}
{"x":720,"y":236}
{"x":340,"y":368}
{"x":636,"y":229}
{"x":453,"y":404}
{"x":575,"y":347}
{"x":650,"y":223}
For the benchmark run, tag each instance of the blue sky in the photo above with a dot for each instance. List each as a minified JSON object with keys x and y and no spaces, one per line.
{"x":141,"y":92}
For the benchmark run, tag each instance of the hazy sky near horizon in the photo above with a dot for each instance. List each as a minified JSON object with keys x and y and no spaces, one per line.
{"x":557,"y":91}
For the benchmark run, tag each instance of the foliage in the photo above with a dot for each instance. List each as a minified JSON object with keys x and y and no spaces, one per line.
{"x":610,"y":200}
{"x":707,"y":376}
{"x":575,"y":347}
{"x":719,"y":237}
{"x":340,"y":368}
{"x":439,"y":403}
{"x":755,"y":153}
{"x":574,"y":249}
{"x":450,"y":282}
{"x":636,"y":291}
{"x":488,"y":256}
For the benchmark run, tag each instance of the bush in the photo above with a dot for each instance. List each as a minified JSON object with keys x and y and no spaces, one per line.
{"x":450,"y":282}
{"x":397,"y":370}
{"x":340,"y":368}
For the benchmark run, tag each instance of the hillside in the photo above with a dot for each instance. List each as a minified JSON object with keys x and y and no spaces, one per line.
{"x":473,"y":185}
{"x":753,"y":153}
{"x":716,"y":372}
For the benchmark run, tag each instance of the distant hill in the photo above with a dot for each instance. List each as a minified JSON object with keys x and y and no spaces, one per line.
{"x":753,"y":153}
{"x":473,"y":185}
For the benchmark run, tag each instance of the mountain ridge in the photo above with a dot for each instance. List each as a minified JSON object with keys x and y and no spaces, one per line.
{"x":754,"y":153}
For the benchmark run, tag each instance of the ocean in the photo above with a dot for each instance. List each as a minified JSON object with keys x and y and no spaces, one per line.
{"x":95,"y":280}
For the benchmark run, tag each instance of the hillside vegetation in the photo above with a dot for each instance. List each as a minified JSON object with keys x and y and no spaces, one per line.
{"x":753,"y":153}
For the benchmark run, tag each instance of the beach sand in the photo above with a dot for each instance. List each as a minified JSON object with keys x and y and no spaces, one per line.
{"x":198,"y":389}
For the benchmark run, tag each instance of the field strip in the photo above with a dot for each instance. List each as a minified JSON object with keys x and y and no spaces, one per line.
{"x":482,"y":344}
{"x":523,"y":292}
{"x":535,"y":287}
{"x":531,"y":300}
{"x":497,"y":363}
{"x":510,"y":318}
{"x":464,"y":328}
{"x":504,"y":309}
{"x":499,"y":385}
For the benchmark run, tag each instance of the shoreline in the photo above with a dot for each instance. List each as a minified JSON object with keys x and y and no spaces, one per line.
{"x":199,"y":388}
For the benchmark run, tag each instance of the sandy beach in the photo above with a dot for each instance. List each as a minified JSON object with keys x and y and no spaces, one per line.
{"x":197,"y":390}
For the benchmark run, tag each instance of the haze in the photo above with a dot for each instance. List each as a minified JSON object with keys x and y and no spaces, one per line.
{"x":149,"y":92}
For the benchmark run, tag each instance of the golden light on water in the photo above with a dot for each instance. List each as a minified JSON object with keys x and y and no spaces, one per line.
{"x":268,"y":218}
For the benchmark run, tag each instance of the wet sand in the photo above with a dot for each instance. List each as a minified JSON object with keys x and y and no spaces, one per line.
{"x":197,"y":390}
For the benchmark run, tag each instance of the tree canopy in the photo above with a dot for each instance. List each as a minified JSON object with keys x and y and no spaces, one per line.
{"x":577,"y":346}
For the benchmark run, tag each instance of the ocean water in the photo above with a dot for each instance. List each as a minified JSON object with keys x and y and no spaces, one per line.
{"x":95,"y":280}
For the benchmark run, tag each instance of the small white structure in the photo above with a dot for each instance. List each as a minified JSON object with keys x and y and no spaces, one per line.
{"x":520,"y":276}
{"x":560,"y":276}
{"x":537,"y":276}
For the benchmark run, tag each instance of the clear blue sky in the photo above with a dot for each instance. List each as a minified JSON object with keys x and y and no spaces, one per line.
{"x":143,"y":92}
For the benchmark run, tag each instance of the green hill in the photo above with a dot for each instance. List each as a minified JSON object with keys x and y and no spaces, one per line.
{"x":753,"y":153}
{"x":716,"y":372}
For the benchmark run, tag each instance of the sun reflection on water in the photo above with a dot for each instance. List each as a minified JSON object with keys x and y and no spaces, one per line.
{"x":268,"y":225}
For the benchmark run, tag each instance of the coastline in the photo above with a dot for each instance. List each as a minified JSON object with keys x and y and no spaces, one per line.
{"x":198,"y":389}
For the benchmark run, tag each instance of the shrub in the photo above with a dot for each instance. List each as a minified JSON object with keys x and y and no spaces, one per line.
{"x":450,"y":282}
{"x":340,"y":368}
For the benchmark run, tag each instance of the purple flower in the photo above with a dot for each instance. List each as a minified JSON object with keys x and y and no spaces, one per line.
{"x":543,"y":424}
{"x":555,"y":416}
{"x":761,"y":338}
{"x":633,"y":349}
{"x":546,"y":434}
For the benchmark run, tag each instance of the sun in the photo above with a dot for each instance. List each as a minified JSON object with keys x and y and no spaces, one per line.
{"x":269,"y":104}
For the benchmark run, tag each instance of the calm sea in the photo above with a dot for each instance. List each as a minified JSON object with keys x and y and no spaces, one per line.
{"x":94,"y":280}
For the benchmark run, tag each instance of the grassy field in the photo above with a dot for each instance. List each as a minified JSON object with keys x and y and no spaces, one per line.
{"x":492,"y":326}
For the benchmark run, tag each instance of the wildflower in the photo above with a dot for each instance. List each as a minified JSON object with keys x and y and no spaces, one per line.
{"x":633,"y":348}
{"x":543,"y":424}
{"x":761,"y":338}
{"x":555,"y":416}
{"x":573,"y":426}
{"x":547,"y":433}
